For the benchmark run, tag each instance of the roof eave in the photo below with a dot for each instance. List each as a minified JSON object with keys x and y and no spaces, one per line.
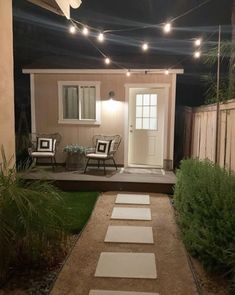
{"x":100,"y":71}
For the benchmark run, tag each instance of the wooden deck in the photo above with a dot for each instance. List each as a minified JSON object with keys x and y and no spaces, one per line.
{"x":159,"y":182}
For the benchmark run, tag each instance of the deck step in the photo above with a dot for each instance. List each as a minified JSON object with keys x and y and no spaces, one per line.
{"x":133,"y":199}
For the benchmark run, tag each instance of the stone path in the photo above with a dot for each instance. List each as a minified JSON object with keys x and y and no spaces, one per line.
{"x":130,"y":247}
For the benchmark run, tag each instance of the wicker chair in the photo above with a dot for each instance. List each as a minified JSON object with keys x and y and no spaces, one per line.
{"x":113,"y":141}
{"x":52,"y":141}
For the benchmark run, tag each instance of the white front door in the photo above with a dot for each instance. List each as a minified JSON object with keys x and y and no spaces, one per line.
{"x":146,"y":127}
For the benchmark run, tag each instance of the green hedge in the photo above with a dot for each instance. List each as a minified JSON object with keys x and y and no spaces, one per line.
{"x":205,"y":203}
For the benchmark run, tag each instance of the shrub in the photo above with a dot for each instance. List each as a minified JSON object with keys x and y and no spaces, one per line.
{"x":32,"y":218}
{"x":205,"y":202}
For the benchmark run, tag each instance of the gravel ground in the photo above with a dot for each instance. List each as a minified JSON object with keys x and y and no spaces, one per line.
{"x":174,"y":275}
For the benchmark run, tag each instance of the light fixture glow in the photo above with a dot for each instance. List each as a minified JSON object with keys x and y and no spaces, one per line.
{"x":166,"y":72}
{"x":198,"y":42}
{"x":167,"y":27}
{"x":100,"y":37}
{"x":145,"y":46}
{"x":197,"y":54}
{"x":128,"y":73}
{"x":72,"y":29}
{"x":107,"y":61}
{"x":85,"y":31}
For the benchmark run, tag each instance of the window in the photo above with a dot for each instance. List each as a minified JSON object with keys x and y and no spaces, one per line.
{"x":79,"y":102}
{"x":146,"y":111}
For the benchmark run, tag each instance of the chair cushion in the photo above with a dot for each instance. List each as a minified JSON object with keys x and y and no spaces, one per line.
{"x":45,"y":144}
{"x":102,"y":146}
{"x":42,"y":154}
{"x":96,"y":156}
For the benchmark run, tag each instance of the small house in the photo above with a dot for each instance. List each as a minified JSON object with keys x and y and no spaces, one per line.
{"x":138,"y":104}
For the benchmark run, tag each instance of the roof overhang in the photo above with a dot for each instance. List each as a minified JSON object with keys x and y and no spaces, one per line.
{"x":101,"y":71}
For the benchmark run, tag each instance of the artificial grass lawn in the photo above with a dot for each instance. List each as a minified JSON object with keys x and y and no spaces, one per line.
{"x":80,"y":206}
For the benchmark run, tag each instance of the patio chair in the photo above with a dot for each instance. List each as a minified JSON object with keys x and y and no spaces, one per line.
{"x":104,"y":149}
{"x":44,"y":146}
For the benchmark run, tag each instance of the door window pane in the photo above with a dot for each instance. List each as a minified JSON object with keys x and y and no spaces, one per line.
{"x":138,"y":124}
{"x":139,"y":111}
{"x":146,"y":111}
{"x":153,"y":112}
{"x":153,"y":124}
{"x":153,"y":100}
{"x":139,"y":99}
{"x":146,"y":99}
{"x":145,"y":123}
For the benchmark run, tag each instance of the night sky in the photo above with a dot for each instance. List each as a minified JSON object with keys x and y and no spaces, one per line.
{"x":40,"y":35}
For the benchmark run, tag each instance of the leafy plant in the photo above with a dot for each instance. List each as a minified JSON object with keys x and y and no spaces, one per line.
{"x":227,"y":75}
{"x":204,"y":199}
{"x":32,"y":217}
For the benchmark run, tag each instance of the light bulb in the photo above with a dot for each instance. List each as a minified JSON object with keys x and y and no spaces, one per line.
{"x":100,"y":37}
{"x":167,"y":27}
{"x":198,"y":42}
{"x":72,"y":29}
{"x":128,"y":73}
{"x":197,"y":54}
{"x":107,"y":61}
{"x":145,"y":46}
{"x":166,"y":72}
{"x":85,"y":31}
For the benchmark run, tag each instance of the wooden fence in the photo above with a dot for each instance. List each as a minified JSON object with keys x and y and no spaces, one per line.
{"x":197,"y":127}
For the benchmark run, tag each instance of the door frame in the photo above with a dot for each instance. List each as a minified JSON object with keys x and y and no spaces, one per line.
{"x":165,"y":87}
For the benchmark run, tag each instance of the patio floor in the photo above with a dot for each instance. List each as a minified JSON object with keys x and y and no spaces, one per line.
{"x":142,"y":180}
{"x":128,"y":267}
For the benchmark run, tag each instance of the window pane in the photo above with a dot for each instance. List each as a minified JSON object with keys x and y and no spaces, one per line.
{"x":88,"y":102}
{"x":138,"y":123}
{"x":154,"y":99}
{"x":146,"y":99}
{"x":145,"y":123}
{"x":153,"y":124}
{"x":145,"y":112}
{"x":138,"y":111}
{"x":139,"y":99}
{"x":153,"y":112}
{"x":70,"y":102}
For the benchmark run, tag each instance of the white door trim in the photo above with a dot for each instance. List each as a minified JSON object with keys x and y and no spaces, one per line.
{"x":164,"y":86}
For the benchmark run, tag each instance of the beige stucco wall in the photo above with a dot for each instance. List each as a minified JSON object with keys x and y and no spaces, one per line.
{"x":112,"y":122}
{"x":7,"y":134}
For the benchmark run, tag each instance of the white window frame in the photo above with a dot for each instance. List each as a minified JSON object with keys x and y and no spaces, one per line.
{"x":95,"y":84}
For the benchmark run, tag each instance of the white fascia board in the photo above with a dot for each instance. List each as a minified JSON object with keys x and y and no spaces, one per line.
{"x":100,"y":71}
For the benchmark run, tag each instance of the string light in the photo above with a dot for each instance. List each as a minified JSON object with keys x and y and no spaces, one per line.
{"x":85,"y":31}
{"x":145,"y":46}
{"x":198,"y":42}
{"x":107,"y":61}
{"x":167,"y":28}
{"x":197,"y":54}
{"x":100,"y":37}
{"x":72,"y":29}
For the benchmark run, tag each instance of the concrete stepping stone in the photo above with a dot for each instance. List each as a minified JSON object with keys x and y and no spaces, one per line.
{"x":127,"y":213}
{"x":126,"y":265}
{"x":132,"y":199}
{"x":110,"y":292}
{"x":129,"y":234}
